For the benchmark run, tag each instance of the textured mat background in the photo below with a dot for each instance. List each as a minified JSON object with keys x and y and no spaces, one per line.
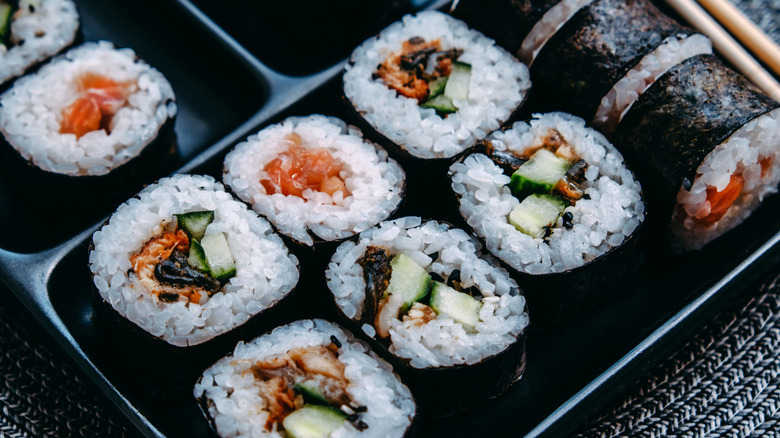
{"x":724,"y":383}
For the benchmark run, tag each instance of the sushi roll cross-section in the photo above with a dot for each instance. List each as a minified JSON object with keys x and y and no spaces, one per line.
{"x":186,"y":262}
{"x":434,"y":307}
{"x":88,"y":112}
{"x":315,"y":178}
{"x":433,"y":87}
{"x":309,"y":378}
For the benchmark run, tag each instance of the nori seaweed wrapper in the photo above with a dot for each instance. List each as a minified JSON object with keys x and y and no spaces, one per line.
{"x":507,"y":22}
{"x":680,"y":119}
{"x":594,"y":50}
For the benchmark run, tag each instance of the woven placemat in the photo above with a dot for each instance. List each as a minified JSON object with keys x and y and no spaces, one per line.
{"x":42,"y":394}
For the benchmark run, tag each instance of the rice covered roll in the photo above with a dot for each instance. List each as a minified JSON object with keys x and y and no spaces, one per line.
{"x":601,"y":43}
{"x":704,"y":141}
{"x":550,"y":197}
{"x":33,"y":30}
{"x":432,"y":87}
{"x":88,"y":112}
{"x":451,"y":321}
{"x":309,"y":378}
{"x":185,"y":262}
{"x":315,"y":178}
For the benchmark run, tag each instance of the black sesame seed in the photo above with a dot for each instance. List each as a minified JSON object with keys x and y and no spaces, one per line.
{"x":31,"y":8}
{"x":335,"y":341}
{"x":454,"y":276}
{"x":567,"y":218}
{"x":416,"y":40}
{"x":434,"y":256}
{"x":437,"y":277}
{"x":361,"y":425}
{"x":359,"y":408}
{"x":547,"y":232}
{"x":586,"y":196}
{"x":352,"y":418}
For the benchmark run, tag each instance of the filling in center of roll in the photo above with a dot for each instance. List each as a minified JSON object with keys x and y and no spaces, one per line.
{"x":397,"y":288}
{"x":306,"y":386}
{"x":183,"y":263}
{"x":422,"y":70}
{"x":301,"y":168}
{"x":99,"y":99}
{"x":546,"y":178}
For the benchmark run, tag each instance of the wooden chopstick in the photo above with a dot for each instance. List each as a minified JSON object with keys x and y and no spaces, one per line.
{"x":727,"y":46}
{"x":746,"y":31}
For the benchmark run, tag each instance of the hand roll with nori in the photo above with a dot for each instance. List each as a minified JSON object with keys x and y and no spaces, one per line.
{"x":704,"y":143}
{"x":450,"y":321}
{"x":309,"y":378}
{"x":553,"y":200}
{"x":33,"y":30}
{"x":185,"y":263}
{"x":599,"y":46}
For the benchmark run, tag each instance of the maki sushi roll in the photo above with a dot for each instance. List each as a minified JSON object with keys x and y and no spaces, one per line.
{"x":315,"y":178}
{"x":522,"y":27}
{"x":310,"y":378}
{"x":432,"y":87}
{"x":600,"y":45}
{"x":705,"y":140}
{"x":450,"y":321}
{"x":185,"y":262}
{"x":33,"y":30}
{"x":92,"y":112}
{"x":549,"y":198}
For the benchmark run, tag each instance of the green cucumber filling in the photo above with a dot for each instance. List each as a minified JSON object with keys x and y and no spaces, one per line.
{"x":424,"y":71}
{"x":546,"y":178}
{"x":398,"y":288}
{"x":176,"y":266}
{"x":305,"y":392}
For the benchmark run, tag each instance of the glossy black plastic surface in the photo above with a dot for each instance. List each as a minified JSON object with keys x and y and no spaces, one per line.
{"x":224,"y":94}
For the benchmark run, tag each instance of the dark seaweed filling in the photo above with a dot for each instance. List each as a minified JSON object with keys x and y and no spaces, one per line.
{"x":177,"y":272}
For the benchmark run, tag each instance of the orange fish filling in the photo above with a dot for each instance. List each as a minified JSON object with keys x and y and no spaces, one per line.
{"x":408,"y":83}
{"x":721,"y":201}
{"x":100,"y":98}
{"x":301,"y":168}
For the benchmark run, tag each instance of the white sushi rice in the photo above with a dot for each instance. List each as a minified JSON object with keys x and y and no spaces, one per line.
{"x":36,"y":34}
{"x":498,"y":85}
{"x":442,"y":341}
{"x":627,"y":90}
{"x":544,"y":29}
{"x":31,"y":112}
{"x":374,"y":181}
{"x":615,"y":208}
{"x":740,"y":154}
{"x":265,"y":271}
{"x":235,"y":405}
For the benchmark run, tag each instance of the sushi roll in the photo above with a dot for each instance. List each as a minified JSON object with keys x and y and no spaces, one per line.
{"x":432,"y":87}
{"x":451,"y":322}
{"x":33,"y":30}
{"x":315,"y":178}
{"x":599,"y":46}
{"x":309,"y":378}
{"x":522,"y":27}
{"x":93,"y":120}
{"x":704,"y":143}
{"x":552,"y":198}
{"x":185,"y":263}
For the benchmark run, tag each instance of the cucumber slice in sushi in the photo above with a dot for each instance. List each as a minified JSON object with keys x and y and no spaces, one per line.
{"x":218,"y":257}
{"x":313,"y":421}
{"x":409,"y":280}
{"x":197,"y":257}
{"x":539,"y":174}
{"x":195,"y":223}
{"x":459,"y":306}
{"x":537,"y":212}
{"x":6,"y":12}
{"x":441,"y":103}
{"x":458,"y":82}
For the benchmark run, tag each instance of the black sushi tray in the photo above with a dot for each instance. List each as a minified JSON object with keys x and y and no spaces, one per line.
{"x":238,"y":66}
